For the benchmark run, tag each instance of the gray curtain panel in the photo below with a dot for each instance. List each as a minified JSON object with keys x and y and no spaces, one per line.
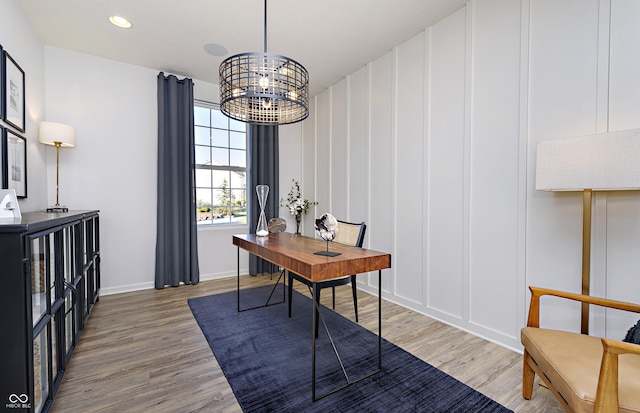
{"x":176,"y":240}
{"x":264,"y":167}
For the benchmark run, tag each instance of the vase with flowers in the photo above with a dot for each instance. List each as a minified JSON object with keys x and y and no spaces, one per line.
{"x":296,"y":204}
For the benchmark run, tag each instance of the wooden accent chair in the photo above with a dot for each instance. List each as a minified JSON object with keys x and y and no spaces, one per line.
{"x":585,"y":373}
{"x":348,"y":234}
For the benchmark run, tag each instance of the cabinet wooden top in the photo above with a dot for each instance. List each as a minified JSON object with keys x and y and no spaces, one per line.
{"x":296,"y":254}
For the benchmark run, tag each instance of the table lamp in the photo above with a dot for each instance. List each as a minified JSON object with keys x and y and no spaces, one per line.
{"x":60,"y":136}
{"x":601,"y":162}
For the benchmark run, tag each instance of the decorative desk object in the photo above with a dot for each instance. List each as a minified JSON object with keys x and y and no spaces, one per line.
{"x":296,"y":204}
{"x":263,"y":192}
{"x":327,"y":228}
{"x":277,"y":225}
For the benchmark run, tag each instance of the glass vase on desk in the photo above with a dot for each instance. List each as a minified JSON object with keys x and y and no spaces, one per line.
{"x":298,"y":222}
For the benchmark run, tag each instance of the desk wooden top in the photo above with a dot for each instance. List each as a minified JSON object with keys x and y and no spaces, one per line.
{"x":296,"y":254}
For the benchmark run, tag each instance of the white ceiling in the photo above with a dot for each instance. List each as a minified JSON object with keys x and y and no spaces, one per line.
{"x":331,"y":38}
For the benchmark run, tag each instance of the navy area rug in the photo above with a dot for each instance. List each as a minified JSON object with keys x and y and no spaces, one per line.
{"x":266,"y":357}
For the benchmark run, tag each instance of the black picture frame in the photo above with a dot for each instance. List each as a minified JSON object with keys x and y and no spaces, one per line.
{"x":15,"y":162}
{"x":3,"y":158}
{"x":1,"y":88}
{"x":13,"y":84}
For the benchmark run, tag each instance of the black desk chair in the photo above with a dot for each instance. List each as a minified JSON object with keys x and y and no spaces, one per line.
{"x":348,"y":234}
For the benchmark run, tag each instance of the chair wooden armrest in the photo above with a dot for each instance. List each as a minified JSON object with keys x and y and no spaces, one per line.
{"x":537,"y":292}
{"x":608,"y":379}
{"x":560,"y":374}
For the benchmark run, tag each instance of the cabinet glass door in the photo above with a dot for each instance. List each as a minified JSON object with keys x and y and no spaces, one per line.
{"x":54,"y":347}
{"x":68,"y":246}
{"x":41,"y":267}
{"x":91,"y":256}
{"x":40,"y":370}
{"x":70,"y":322}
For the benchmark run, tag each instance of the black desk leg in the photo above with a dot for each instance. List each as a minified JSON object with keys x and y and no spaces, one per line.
{"x":314,"y":317}
{"x":379,"y":319}
{"x":268,"y":302}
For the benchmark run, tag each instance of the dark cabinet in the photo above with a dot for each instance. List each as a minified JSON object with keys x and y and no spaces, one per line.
{"x":49,"y":282}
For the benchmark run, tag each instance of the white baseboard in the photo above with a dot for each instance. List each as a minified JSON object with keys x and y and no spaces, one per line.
{"x":149,"y":285}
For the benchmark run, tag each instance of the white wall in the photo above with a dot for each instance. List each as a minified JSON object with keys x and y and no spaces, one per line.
{"x":21,"y":42}
{"x":447,"y":123}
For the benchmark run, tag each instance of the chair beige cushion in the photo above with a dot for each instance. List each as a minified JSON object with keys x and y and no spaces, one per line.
{"x":571,"y":362}
{"x":347,"y":233}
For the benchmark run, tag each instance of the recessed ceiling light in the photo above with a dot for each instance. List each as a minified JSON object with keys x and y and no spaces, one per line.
{"x":215,"y":49}
{"x":120,"y":22}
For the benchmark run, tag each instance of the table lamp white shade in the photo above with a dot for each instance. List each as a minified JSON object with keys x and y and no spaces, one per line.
{"x":602,"y":162}
{"x":52,"y":132}
{"x":60,"y":136}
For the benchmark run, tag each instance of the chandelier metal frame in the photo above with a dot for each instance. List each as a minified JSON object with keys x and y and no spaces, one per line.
{"x":264,"y":88}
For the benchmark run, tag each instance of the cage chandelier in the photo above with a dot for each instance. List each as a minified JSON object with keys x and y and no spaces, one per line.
{"x":264,"y":88}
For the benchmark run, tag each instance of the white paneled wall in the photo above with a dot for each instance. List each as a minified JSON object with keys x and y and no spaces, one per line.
{"x":434,"y":146}
{"x":494,"y":223}
{"x":409,"y":170}
{"x":339,"y":160}
{"x":445,"y":209}
{"x":381,"y":160}
{"x":358,"y":139}
{"x":621,"y":211}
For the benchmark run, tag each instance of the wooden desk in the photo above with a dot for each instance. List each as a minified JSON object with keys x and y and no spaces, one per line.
{"x":296,"y":253}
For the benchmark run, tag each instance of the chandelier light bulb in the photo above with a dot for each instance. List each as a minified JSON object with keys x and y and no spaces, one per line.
{"x":264,"y":82}
{"x":266,"y":103}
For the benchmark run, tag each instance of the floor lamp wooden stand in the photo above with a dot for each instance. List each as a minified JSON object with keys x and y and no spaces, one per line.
{"x":602,"y":162}
{"x":586,"y":258}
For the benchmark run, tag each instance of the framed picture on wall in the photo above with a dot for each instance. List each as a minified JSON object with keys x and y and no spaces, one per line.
{"x":3,"y":158}
{"x":16,"y":162}
{"x":13,"y":105}
{"x":1,"y":83}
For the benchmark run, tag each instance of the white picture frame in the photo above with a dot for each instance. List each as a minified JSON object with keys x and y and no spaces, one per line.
{"x":15,"y":148}
{"x":9,"y":207}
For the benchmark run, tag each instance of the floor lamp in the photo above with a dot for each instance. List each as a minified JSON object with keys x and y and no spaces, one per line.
{"x":61,"y":136}
{"x":602,"y":162}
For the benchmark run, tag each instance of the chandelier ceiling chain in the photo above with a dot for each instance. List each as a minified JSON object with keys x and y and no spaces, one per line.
{"x":264,"y":88}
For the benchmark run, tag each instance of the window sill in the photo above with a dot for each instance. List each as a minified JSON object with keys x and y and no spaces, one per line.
{"x":242,"y":228}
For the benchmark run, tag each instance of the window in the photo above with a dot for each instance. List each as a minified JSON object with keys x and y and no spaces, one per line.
{"x":221,"y":167}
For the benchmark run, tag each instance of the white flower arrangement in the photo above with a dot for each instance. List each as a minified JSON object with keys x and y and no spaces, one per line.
{"x":295,"y":203}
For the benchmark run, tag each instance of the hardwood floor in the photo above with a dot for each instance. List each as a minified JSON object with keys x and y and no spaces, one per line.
{"x":144,"y":352}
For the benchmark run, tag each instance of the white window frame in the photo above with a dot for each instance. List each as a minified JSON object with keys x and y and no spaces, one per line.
{"x":210,"y":220}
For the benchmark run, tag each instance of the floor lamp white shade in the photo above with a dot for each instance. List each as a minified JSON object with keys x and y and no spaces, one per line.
{"x":602,"y":162}
{"x":60,"y":136}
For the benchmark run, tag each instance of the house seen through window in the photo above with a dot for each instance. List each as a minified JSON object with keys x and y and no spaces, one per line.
{"x":221,"y":167}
